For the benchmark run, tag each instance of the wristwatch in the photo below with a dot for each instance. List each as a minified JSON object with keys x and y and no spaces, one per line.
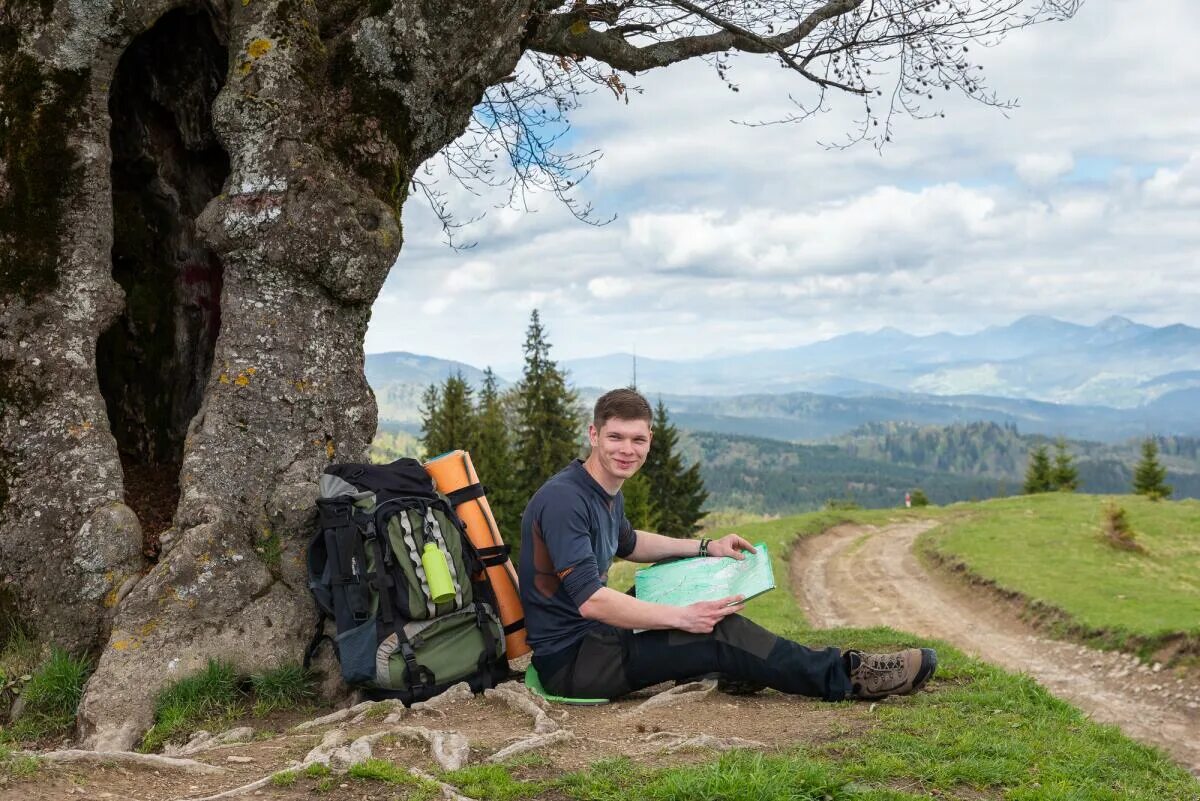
{"x":704,"y":541}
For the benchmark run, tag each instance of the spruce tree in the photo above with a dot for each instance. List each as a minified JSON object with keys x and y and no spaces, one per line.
{"x":493,"y":459}
{"x":448,"y":417}
{"x":458,"y":414}
{"x":1064,"y":477}
{"x":1038,"y":474}
{"x":431,"y":420}
{"x":548,"y":417}
{"x":1149,"y":477}
{"x":690,"y":496}
{"x":637,"y":503}
{"x":676,"y":493}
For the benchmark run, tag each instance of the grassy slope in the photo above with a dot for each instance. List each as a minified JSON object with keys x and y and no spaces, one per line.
{"x":979,"y":733}
{"x":1048,"y":549}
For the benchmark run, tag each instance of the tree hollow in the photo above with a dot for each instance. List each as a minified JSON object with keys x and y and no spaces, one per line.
{"x":167,"y":164}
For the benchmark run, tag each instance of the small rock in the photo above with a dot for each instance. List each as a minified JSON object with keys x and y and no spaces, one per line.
{"x":241,"y":760}
{"x":239,"y":735}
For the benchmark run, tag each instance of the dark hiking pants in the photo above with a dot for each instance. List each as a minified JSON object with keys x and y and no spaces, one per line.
{"x":610,"y":662}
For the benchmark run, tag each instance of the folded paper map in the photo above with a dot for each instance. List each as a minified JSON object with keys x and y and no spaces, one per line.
{"x":686,"y":581}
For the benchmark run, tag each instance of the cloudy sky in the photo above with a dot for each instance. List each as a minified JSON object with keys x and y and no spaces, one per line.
{"x":1081,"y":203}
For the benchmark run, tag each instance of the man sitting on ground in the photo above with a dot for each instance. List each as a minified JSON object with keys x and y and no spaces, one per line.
{"x":582,"y":632}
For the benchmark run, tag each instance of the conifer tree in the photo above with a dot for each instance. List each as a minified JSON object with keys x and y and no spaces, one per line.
{"x":1038,"y":474}
{"x":1064,"y":477}
{"x":676,"y":493}
{"x":548,"y":415}
{"x":493,"y":459}
{"x":638,"y":509}
{"x":1149,"y":477}
{"x":448,"y":417}
{"x":431,"y":419}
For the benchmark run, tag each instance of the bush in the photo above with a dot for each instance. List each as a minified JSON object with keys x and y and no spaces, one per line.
{"x":1116,"y":530}
{"x":918,"y":498}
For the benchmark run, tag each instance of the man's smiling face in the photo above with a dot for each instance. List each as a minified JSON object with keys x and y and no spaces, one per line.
{"x":620,"y":447}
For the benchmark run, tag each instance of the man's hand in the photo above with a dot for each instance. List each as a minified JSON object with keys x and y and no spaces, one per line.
{"x":702,"y":616}
{"x":730,"y":545}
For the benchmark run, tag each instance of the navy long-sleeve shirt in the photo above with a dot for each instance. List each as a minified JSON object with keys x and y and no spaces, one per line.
{"x":570,"y":532}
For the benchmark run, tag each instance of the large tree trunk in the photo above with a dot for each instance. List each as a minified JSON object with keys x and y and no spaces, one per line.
{"x":282,"y":199}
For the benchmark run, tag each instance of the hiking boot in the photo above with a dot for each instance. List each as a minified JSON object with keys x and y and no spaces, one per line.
{"x":878,"y":675}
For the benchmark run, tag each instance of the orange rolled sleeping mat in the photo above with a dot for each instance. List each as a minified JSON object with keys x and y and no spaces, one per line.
{"x":455,"y":477}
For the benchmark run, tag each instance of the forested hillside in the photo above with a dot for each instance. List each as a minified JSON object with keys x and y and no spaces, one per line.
{"x":1000,"y":451}
{"x":772,"y":477}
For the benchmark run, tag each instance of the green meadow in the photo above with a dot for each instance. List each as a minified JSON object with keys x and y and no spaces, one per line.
{"x":976,"y":732}
{"x":1050,"y":550}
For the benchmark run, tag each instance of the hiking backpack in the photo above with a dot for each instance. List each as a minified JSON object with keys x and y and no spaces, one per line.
{"x":366,"y":575}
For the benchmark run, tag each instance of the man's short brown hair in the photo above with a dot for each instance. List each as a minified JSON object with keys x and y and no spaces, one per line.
{"x":623,"y":404}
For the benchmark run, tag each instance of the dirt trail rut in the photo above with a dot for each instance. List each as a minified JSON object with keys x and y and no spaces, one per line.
{"x":866,"y":576}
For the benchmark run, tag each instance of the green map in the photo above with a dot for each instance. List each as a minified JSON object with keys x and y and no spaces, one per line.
{"x":706,"y":579}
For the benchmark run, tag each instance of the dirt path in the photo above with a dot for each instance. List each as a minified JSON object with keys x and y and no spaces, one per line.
{"x":864,"y":576}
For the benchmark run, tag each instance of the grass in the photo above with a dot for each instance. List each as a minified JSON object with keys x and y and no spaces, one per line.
{"x":51,"y":695}
{"x":493,"y":783}
{"x":285,"y":687}
{"x":1051,"y":550}
{"x":19,"y":658}
{"x":979,"y":732}
{"x":381,"y":770}
{"x":16,"y":767}
{"x":213,"y":694}
{"x":284,"y":778}
{"x":219,"y":694}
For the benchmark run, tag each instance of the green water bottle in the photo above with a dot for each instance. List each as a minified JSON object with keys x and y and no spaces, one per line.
{"x":437,"y":573}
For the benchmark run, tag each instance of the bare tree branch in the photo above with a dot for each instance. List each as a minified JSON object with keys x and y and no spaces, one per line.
{"x":893,"y":56}
{"x":567,"y":34}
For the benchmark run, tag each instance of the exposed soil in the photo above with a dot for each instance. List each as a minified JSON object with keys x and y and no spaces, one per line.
{"x":865,"y":576}
{"x":776,"y":720}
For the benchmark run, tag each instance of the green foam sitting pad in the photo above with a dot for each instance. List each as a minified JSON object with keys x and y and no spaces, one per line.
{"x":534,"y":682}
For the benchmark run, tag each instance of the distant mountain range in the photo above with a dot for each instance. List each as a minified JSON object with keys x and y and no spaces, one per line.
{"x":1116,"y":363}
{"x":1108,"y":382}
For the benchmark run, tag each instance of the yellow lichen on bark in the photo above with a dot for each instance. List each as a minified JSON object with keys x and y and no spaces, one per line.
{"x":259,"y":48}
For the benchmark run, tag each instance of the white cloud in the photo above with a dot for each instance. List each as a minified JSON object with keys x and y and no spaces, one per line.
{"x":1043,"y":168}
{"x":608,"y":287}
{"x":1176,"y":186}
{"x":474,"y":276}
{"x":1079,"y":203}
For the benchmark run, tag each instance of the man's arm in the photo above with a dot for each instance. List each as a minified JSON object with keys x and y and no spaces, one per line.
{"x":626,"y":612}
{"x":653,"y":547}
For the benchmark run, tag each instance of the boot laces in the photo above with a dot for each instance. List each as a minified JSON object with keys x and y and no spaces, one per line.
{"x":882,"y":663}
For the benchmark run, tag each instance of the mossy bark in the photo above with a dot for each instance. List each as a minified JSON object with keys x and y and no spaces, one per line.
{"x":325,"y":112}
{"x":68,"y":541}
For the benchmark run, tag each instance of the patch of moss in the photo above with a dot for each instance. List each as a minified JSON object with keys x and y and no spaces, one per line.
{"x":387,"y":177}
{"x":41,"y":108}
{"x":270,"y":546}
